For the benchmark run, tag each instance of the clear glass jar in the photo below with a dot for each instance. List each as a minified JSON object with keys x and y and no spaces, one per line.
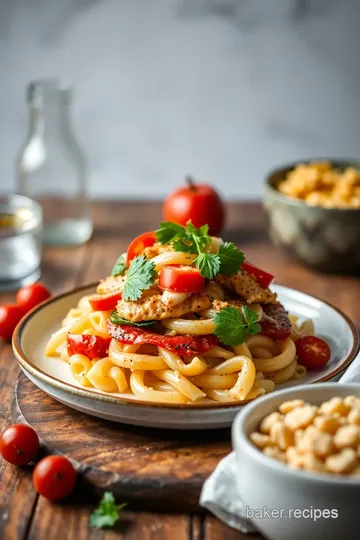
{"x":20,"y":241}
{"x":51,"y":167}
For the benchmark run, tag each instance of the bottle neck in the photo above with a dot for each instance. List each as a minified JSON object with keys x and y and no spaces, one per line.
{"x":49,"y":120}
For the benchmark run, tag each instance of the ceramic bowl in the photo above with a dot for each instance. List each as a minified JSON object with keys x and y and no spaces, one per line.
{"x":326,"y":239}
{"x":265,"y":483}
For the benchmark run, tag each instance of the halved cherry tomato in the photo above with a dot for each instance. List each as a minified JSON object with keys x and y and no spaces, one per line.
{"x":180,"y":278}
{"x":31,"y":295}
{"x":313,"y":352}
{"x":104,"y":302}
{"x":54,"y":477}
{"x":88,"y":345}
{"x":10,"y":315}
{"x":263,"y":278}
{"x":183,"y":344}
{"x":275,"y":322}
{"x":137,"y":246}
{"x":19,"y":444}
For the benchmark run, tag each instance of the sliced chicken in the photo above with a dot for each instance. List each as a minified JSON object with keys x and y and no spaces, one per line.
{"x":150,"y":308}
{"x":247,"y":287}
{"x":111,"y":284}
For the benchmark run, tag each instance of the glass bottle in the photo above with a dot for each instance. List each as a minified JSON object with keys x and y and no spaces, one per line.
{"x":51,"y":167}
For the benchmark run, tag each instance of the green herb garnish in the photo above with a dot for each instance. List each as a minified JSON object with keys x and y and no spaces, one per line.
{"x":119,"y":266}
{"x":116,"y":319}
{"x":226,"y":261}
{"x":107,"y":513}
{"x":233,"y":326}
{"x":140,"y":276}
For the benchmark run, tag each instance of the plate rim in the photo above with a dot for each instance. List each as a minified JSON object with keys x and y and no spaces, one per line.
{"x":83,"y":392}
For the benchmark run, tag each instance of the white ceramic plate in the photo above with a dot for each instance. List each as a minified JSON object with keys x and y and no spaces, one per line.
{"x":53,"y":375}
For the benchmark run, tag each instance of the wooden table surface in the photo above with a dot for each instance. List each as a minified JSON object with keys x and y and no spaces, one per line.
{"x":23,"y":514}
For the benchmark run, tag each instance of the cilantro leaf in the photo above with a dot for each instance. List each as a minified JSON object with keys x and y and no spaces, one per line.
{"x":107,"y":513}
{"x":231,"y":258}
{"x":233,"y":326}
{"x":168,"y":231}
{"x":184,"y":245}
{"x":251,"y":319}
{"x":116,"y":319}
{"x":208,"y":264}
{"x":140,"y":276}
{"x":119,"y":266}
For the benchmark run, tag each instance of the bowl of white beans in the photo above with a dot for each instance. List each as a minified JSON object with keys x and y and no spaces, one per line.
{"x":298,"y":462}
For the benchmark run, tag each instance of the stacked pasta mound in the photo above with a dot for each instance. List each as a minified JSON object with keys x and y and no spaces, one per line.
{"x":183,"y":318}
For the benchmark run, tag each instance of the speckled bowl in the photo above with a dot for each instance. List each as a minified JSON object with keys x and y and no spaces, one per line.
{"x":326,"y":239}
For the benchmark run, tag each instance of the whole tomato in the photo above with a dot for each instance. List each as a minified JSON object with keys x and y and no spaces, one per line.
{"x":31,"y":295}
{"x":199,"y":203}
{"x":54,"y":477}
{"x":19,"y":444}
{"x":10,"y":315}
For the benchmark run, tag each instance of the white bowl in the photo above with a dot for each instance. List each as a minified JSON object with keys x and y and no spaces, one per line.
{"x":265,"y":483}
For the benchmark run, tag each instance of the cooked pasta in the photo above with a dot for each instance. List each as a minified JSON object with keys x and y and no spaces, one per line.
{"x":170,"y":342}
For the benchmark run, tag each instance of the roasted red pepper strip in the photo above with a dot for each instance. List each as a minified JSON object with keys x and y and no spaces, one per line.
{"x":90,"y":346}
{"x":275,"y":322}
{"x":184,"y":345}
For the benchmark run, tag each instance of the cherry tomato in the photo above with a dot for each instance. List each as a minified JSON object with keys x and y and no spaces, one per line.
{"x":30,"y":296}
{"x":198,"y":202}
{"x":181,"y":279}
{"x":88,"y":345}
{"x":275,"y":322}
{"x":10,"y":315}
{"x":313,"y":352}
{"x":54,"y":477}
{"x":19,"y":444}
{"x":137,"y":246}
{"x":104,"y":302}
{"x":263,"y":278}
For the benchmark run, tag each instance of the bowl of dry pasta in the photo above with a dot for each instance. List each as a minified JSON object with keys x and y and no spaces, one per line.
{"x":314,"y":213}
{"x":182,"y":327}
{"x":298,"y":462}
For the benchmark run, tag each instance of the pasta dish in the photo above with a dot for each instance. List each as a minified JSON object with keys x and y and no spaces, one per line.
{"x":183,"y":318}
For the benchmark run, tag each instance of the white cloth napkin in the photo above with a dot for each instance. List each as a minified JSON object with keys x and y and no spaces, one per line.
{"x":219,"y":493}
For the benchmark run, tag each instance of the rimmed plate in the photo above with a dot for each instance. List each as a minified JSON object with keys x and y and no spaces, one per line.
{"x":53,"y":375}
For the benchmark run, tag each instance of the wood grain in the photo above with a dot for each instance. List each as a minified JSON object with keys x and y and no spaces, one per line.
{"x":152,"y":468}
{"x":61,"y":270}
{"x":24,"y":515}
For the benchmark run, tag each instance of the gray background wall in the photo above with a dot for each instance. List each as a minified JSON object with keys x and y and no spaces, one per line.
{"x":224,"y":89}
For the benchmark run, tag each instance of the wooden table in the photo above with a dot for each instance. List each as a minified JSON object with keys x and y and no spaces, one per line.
{"x":23,"y":514}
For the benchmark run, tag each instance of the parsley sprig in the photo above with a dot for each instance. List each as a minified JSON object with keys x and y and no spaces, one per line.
{"x":140,"y":276}
{"x":119,"y":266}
{"x":190,"y":239}
{"x":107,"y":513}
{"x":233,"y":326}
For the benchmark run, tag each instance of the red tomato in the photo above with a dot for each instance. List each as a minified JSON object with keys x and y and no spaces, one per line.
{"x":313,"y":352}
{"x":30,"y":296}
{"x":263,"y":278}
{"x":137,"y":246}
{"x":104,"y":302}
{"x":88,"y":345}
{"x":275,"y":322}
{"x":181,"y":279}
{"x":10,"y":315}
{"x":198,"y":202}
{"x":54,"y":477}
{"x":19,"y":444}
